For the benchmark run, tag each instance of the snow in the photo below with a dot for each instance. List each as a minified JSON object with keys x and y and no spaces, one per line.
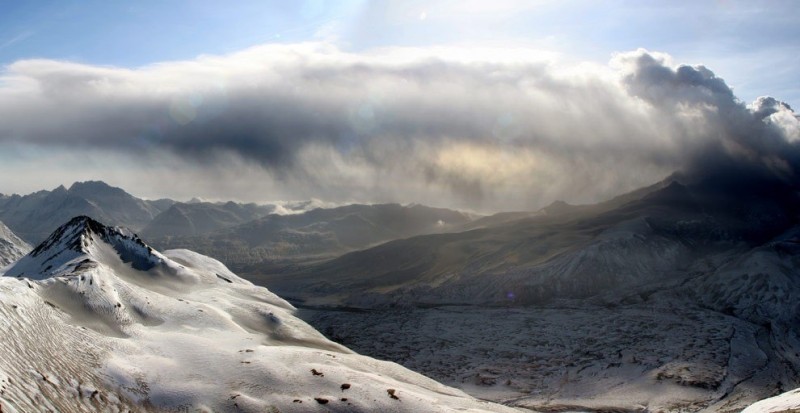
{"x":68,"y":249}
{"x":95,"y":320}
{"x":788,"y":402}
{"x":11,"y":246}
{"x":760,"y":286}
{"x":660,"y":356}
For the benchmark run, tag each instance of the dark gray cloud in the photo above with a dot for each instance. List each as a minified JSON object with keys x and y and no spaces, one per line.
{"x":411,"y":126}
{"x":735,"y":146}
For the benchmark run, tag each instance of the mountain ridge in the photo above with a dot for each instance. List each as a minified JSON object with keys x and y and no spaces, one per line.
{"x":184,"y":332}
{"x":239,"y":234}
{"x":670,"y":225}
{"x":317,"y":233}
{"x":73,"y":247}
{"x":33,"y":217}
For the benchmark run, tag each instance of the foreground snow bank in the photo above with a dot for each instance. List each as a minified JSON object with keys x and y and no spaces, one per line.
{"x":95,"y":320}
{"x":783,"y":403}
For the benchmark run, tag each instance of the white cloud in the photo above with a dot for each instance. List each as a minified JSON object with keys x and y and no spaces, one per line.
{"x":479,"y":129}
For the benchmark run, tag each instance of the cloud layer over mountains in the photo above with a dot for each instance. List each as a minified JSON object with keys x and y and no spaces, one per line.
{"x":453,"y":127}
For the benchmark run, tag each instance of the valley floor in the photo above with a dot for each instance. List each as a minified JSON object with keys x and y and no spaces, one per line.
{"x":574,"y":357}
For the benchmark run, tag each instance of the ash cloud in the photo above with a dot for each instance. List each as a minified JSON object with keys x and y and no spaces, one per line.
{"x":728,"y":145}
{"x":403,"y":125}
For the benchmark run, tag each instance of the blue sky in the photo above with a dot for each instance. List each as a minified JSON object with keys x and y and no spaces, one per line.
{"x":754,"y":45}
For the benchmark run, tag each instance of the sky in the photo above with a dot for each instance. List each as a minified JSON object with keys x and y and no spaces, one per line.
{"x":487,"y":106}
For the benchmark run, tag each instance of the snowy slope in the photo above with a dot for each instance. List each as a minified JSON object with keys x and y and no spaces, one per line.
{"x":78,"y":245}
{"x":577,"y":356}
{"x":784,"y":403}
{"x":761,"y":286}
{"x":11,"y":246}
{"x":93,"y":319}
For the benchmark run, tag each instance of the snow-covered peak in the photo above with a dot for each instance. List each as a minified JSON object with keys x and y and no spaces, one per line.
{"x":82,"y":243}
{"x":177,"y":331}
{"x":11,"y":246}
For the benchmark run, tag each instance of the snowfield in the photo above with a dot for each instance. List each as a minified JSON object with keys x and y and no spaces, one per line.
{"x":95,"y":320}
{"x":11,"y":246}
{"x":572,"y":357}
{"x":788,"y":402}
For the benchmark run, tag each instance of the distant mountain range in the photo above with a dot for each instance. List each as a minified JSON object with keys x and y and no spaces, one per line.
{"x":666,"y":232}
{"x":316,"y":234}
{"x":200,"y":218}
{"x":33,"y":217}
{"x":241,"y":235}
